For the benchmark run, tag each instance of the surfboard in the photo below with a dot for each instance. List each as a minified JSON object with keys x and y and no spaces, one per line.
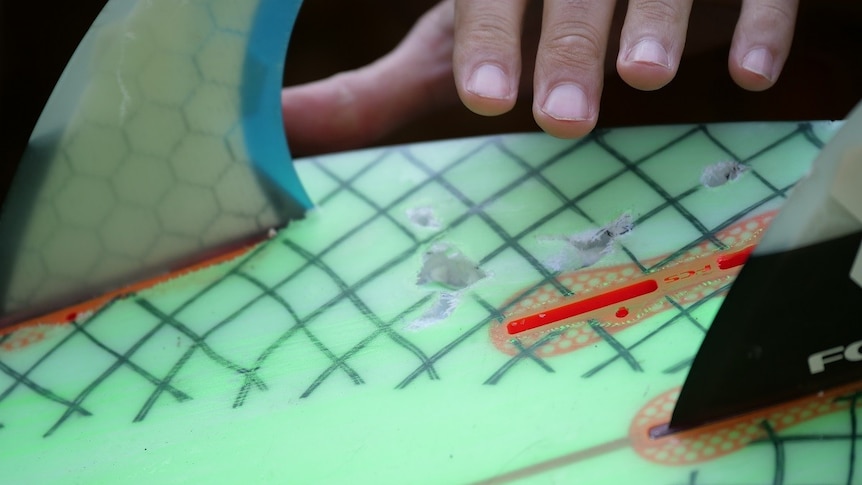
{"x":323,"y":354}
{"x":375,"y":340}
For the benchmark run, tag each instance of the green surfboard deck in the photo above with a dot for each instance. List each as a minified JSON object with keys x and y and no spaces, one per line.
{"x":299,"y":363}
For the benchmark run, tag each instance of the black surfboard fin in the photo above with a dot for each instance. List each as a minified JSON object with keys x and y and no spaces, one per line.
{"x":791,"y":324}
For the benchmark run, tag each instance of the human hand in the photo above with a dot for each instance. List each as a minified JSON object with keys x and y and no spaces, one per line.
{"x":354,"y":108}
{"x":568,"y":76}
{"x":357,"y":107}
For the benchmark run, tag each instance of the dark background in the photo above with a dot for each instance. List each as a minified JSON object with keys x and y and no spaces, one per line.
{"x":822,"y":79}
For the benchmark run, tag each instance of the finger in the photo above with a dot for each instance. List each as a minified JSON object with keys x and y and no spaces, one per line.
{"x":761,"y":42}
{"x":487,"y":55}
{"x":652,"y":42}
{"x":355,"y":108}
{"x":569,"y":65}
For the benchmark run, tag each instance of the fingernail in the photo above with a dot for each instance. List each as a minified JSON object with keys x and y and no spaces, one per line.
{"x":758,"y":61}
{"x":567,"y":102}
{"x":489,"y":81}
{"x":649,"y":51}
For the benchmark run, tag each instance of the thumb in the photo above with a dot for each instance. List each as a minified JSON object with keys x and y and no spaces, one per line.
{"x":356,"y":108}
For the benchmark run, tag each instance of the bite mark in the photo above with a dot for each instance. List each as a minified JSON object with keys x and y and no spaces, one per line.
{"x":720,"y":173}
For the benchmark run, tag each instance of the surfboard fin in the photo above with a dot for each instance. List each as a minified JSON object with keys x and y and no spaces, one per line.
{"x":161,"y":145}
{"x":791,"y":324}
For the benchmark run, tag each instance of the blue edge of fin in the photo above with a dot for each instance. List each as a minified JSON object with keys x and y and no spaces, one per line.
{"x":261,"y":94}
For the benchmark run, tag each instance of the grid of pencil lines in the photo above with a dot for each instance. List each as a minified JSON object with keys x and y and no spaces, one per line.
{"x":293,"y":323}
{"x":783,"y":444}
